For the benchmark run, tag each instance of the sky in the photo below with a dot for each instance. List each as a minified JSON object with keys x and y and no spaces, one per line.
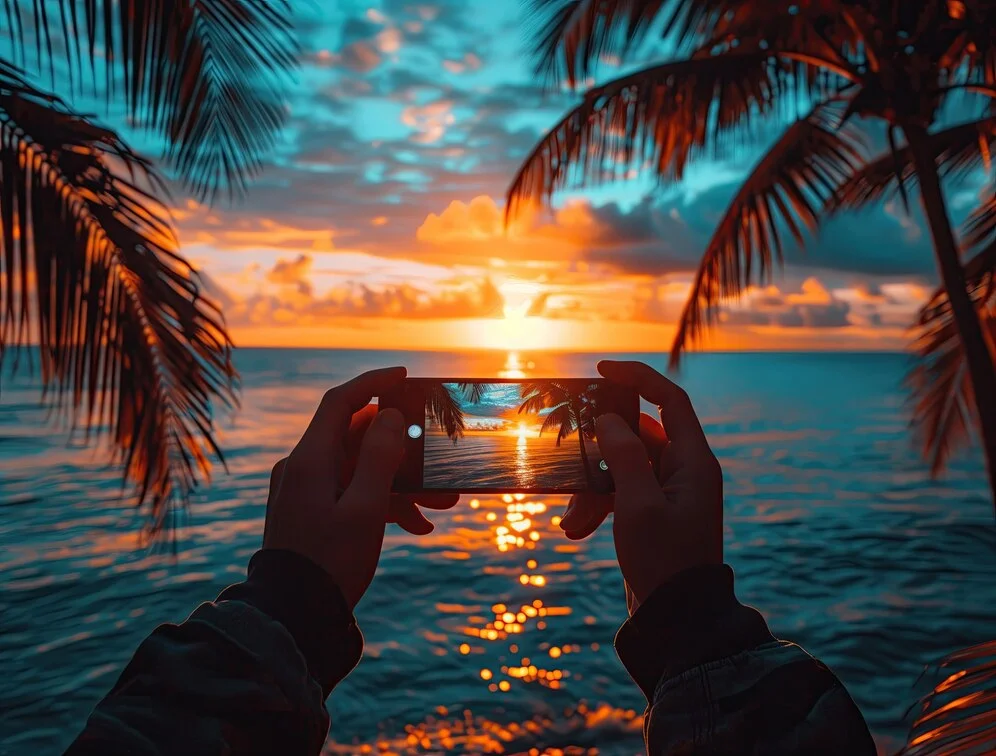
{"x":377,"y":222}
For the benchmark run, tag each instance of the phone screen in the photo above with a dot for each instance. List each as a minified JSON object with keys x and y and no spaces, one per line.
{"x":508,"y":436}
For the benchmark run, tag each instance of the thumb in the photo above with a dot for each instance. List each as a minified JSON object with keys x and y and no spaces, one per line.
{"x":626,"y":457}
{"x":380,"y":455}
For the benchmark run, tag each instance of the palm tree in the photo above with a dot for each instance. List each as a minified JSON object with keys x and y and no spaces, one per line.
{"x":131,"y":350}
{"x":746,"y":63}
{"x":570,"y":409}
{"x":445,"y":409}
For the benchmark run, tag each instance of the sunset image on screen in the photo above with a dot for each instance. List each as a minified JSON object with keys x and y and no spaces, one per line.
{"x":495,"y":436}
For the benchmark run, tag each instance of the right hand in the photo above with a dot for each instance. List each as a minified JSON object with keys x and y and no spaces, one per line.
{"x":669,"y":486}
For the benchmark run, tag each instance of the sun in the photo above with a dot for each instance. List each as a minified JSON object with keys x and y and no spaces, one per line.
{"x":523,"y":431}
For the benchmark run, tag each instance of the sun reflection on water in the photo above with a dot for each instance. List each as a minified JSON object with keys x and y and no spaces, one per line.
{"x":517,"y":641}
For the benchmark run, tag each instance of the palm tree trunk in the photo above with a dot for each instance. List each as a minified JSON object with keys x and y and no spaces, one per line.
{"x":584,"y":452}
{"x":978,"y":352}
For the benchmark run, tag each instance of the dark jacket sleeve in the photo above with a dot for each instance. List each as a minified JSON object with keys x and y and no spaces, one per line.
{"x":246,"y":674}
{"x":718,"y":682}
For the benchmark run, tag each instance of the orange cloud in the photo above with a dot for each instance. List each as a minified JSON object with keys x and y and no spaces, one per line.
{"x":294,"y":272}
{"x":429,"y":121}
{"x":199,"y":225}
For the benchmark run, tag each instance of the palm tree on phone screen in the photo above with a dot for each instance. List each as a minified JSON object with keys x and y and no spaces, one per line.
{"x":569,"y":408}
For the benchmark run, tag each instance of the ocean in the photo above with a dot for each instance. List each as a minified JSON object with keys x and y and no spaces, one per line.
{"x":832,"y":524}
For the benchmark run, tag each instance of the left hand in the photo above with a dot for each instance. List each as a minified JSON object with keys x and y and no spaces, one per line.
{"x":330,"y":499}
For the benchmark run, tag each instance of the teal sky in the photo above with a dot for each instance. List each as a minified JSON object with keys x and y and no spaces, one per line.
{"x":382,"y":202}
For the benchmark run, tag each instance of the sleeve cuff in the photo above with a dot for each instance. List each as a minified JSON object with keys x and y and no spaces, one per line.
{"x":691,"y":619}
{"x":301,"y":596}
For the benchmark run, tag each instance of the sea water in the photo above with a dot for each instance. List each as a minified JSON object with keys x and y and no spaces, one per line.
{"x":834,"y":527}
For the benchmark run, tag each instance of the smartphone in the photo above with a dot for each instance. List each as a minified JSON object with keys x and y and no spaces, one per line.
{"x":506,"y":436}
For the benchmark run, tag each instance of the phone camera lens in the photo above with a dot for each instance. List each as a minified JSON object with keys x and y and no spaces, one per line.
{"x":414,"y":431}
{"x":603,"y":465}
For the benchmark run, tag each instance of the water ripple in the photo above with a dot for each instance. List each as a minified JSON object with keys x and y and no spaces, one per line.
{"x":503,"y":645}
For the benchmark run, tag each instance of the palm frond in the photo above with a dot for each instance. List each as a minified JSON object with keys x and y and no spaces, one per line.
{"x":210,"y":76}
{"x":573,"y":36}
{"x":130,"y":348}
{"x":959,"y":151}
{"x":786,"y":189}
{"x":941,"y":388}
{"x":958,"y":717}
{"x":559,"y":418}
{"x":981,"y":224}
{"x":443,"y":408}
{"x":475,"y":392}
{"x":654,"y":120}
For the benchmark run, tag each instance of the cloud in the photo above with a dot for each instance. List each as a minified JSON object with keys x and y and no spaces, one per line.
{"x":294,"y":273}
{"x":430,"y":121}
{"x":479,"y":299}
{"x":287,"y":296}
{"x":811,"y":307}
{"x":477,"y":220}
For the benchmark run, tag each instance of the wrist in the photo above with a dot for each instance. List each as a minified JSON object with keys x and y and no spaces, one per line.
{"x":301,"y":596}
{"x":692,"y":618}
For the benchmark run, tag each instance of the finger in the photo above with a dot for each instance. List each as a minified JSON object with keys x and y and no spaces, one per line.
{"x":663,"y":454}
{"x":339,"y":403}
{"x":380,"y":454}
{"x":408,"y":516}
{"x":677,"y":414}
{"x":276,"y":474}
{"x":358,"y":426}
{"x":324,"y":439}
{"x":627,"y":458}
{"x":585,"y":513}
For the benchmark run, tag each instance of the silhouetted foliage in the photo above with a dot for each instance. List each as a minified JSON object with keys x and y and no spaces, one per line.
{"x":958,"y":717}
{"x":744,"y":66}
{"x":90,"y":268}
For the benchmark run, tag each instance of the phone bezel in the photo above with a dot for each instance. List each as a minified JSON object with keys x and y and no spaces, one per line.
{"x":409,"y":398}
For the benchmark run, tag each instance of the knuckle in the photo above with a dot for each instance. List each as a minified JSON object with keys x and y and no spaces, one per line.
{"x":681,"y":396}
{"x":278,"y":469}
{"x":331,"y":396}
{"x":711,"y":466}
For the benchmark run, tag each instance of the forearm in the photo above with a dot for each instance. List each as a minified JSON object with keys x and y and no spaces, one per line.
{"x":248,"y":673}
{"x":718,"y":682}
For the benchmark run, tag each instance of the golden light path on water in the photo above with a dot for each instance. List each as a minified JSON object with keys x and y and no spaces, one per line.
{"x":516,"y":523}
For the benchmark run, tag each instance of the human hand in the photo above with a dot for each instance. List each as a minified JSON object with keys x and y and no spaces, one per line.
{"x":669,"y":487}
{"x":330,"y":498}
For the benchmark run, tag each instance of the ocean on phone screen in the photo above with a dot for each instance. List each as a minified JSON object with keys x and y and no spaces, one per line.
{"x":494,"y":633}
{"x":494,"y":460}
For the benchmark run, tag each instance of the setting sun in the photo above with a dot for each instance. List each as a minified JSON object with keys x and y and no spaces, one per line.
{"x":523,"y":431}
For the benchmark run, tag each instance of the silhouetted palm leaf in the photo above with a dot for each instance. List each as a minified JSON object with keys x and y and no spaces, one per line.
{"x":656,"y":120}
{"x":207,"y":75}
{"x":572,"y":36}
{"x":980,"y":226}
{"x":130,"y":349}
{"x":444,"y":408}
{"x":787,"y":189}
{"x":941,"y":391}
{"x":959,"y":150}
{"x":475,"y":392}
{"x":958,"y":717}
